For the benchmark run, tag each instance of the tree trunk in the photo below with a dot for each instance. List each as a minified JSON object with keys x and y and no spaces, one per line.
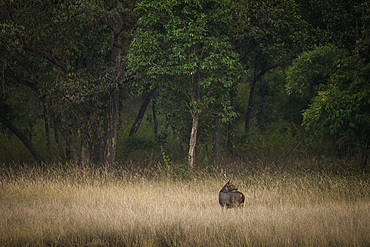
{"x":85,"y":142}
{"x":250,"y":105}
{"x":59,"y":144}
{"x":111,"y":131}
{"x":257,"y":77}
{"x":216,"y":141}
{"x":113,"y":114}
{"x":70,"y":142}
{"x":155,"y":120}
{"x":140,"y":115}
{"x":193,"y":139}
{"x":230,"y":126}
{"x":229,"y":144}
{"x":83,"y":120}
{"x":97,"y":147}
{"x":260,"y":122}
{"x":365,"y":156}
{"x":22,"y":138}
{"x":47,"y":133}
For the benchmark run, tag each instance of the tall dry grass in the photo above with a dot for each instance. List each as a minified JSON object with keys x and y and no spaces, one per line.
{"x":67,"y":206}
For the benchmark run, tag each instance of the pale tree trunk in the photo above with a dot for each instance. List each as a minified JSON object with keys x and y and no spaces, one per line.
{"x":113,"y":116}
{"x":193,"y":139}
{"x":85,"y":136}
{"x":85,"y":143}
{"x":111,"y":131}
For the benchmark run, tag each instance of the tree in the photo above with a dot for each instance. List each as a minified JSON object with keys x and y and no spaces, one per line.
{"x":268,"y":35}
{"x":185,"y":47}
{"x":72,"y":56}
{"x":335,"y":72}
{"x":340,"y":87}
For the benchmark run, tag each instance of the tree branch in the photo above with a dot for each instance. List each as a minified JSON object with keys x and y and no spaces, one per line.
{"x":142,"y":111}
{"x":22,"y":138}
{"x":12,"y":74}
{"x":265,"y":70}
{"x":51,"y":58}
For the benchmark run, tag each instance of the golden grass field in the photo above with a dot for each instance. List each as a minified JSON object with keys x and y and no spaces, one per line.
{"x":66,"y":206}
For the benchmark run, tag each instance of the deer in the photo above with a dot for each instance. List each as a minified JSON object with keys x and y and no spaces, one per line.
{"x":230,"y":197}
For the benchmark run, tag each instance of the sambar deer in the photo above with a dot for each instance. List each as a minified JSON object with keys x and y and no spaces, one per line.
{"x":230,"y":197}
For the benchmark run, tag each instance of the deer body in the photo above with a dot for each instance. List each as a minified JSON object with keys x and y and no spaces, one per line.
{"x":230,"y":197}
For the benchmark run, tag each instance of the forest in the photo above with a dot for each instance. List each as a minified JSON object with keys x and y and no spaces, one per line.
{"x":121,"y":120}
{"x":192,"y":82}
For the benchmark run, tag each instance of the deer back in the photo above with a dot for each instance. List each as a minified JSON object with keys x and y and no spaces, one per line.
{"x":230,"y":197}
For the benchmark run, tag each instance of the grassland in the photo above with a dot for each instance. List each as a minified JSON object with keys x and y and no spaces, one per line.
{"x":68,"y":206}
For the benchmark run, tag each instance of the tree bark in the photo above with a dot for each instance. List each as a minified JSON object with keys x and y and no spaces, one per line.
{"x":111,"y":131}
{"x":70,"y":141}
{"x":229,"y":144}
{"x":155,"y":120}
{"x":97,"y":147}
{"x":260,"y":122}
{"x":216,"y":141}
{"x":193,"y":139}
{"x":365,"y":156}
{"x":113,"y":109}
{"x":85,"y":141}
{"x":47,"y":133}
{"x":59,"y":144}
{"x":250,"y":104}
{"x":140,"y":115}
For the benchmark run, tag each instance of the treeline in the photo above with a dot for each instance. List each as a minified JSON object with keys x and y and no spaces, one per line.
{"x":113,"y":81}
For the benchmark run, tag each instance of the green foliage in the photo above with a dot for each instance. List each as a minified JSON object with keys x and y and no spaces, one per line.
{"x":311,"y":71}
{"x":71,"y":56}
{"x":272,"y":31}
{"x":184,"y":47}
{"x":339,"y":84}
{"x":337,"y":22}
{"x":61,"y":62}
